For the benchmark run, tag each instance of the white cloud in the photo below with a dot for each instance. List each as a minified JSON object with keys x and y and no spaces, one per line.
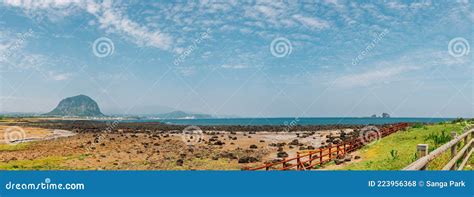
{"x":267,"y":11}
{"x":113,"y":20}
{"x":413,"y":5}
{"x":234,"y":66}
{"x":396,"y":5}
{"x":41,"y":4}
{"x":109,"y":18}
{"x":386,"y":70}
{"x":312,"y":23}
{"x":186,"y":18}
{"x":58,"y":76}
{"x":372,"y":77}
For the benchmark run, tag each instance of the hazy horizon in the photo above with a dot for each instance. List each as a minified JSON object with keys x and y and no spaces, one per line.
{"x":248,"y":59}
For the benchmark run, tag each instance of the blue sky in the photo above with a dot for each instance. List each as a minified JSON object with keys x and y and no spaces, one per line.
{"x":328,"y":58}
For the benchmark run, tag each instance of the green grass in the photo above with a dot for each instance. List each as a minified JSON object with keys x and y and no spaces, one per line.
{"x":470,"y":164}
{"x":49,"y":163}
{"x":398,"y":150}
{"x":16,"y":147}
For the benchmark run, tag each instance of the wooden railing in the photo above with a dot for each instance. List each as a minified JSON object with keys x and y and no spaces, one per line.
{"x":464,"y":154}
{"x":310,"y":158}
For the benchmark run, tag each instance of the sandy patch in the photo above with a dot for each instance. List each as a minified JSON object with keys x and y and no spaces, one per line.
{"x":17,"y":134}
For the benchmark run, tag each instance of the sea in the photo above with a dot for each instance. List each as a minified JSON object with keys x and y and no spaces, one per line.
{"x":292,"y":121}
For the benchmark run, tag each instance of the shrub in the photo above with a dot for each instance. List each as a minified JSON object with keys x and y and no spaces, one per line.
{"x":418,"y":125}
{"x":439,"y":139}
{"x":458,"y":120}
{"x":394,"y":154}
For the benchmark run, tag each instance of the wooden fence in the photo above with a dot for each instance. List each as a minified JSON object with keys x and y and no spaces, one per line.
{"x":461,"y":157}
{"x":308,"y":159}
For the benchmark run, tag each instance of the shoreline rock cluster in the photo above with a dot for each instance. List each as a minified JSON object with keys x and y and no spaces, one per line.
{"x":149,"y":127}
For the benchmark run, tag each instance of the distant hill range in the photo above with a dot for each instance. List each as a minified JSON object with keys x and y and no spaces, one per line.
{"x":80,"y":105}
{"x":182,"y":115}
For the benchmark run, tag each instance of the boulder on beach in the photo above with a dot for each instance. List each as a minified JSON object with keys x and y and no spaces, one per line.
{"x":294,"y":142}
{"x":247,"y":159}
{"x":348,"y":158}
{"x":282,"y":154}
{"x":179,"y":162}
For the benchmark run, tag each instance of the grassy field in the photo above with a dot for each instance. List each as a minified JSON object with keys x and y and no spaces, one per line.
{"x":8,"y":147}
{"x":49,"y":163}
{"x":470,"y":164}
{"x":398,"y":150}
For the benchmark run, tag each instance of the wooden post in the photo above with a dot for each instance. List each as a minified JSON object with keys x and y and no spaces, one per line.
{"x":465,"y":144}
{"x":320,"y":156}
{"x":472,"y":137}
{"x":330,"y":154}
{"x":310,"y":158}
{"x":454,"y":150}
{"x":422,"y":150}
{"x":298,"y":162}
{"x":337,"y":150}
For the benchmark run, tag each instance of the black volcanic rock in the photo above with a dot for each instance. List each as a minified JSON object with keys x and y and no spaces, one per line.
{"x":80,"y":105}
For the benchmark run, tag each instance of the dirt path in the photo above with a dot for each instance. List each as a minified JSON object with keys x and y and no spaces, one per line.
{"x":16,"y":134}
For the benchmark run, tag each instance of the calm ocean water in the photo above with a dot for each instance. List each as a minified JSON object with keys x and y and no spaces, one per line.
{"x":292,"y":121}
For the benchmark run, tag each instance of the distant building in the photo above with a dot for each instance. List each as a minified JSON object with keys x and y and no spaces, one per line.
{"x":385,"y":115}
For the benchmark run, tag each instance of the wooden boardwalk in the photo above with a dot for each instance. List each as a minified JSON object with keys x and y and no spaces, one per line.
{"x":308,"y":159}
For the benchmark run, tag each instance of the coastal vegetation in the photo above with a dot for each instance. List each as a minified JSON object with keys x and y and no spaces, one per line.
{"x":157,"y":146}
{"x":398,"y":150}
{"x":48,"y":163}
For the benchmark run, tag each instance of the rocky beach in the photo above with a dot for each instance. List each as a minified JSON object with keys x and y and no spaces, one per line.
{"x":96,"y":145}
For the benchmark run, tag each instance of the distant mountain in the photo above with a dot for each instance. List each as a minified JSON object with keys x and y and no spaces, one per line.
{"x":139,"y":110}
{"x":80,"y":105}
{"x":182,"y":115}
